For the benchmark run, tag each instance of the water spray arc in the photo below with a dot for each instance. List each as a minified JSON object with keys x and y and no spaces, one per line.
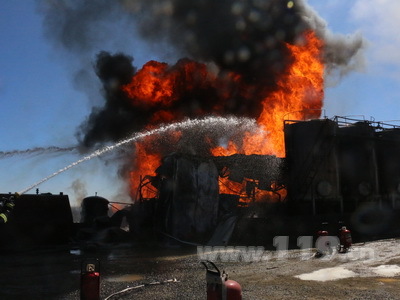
{"x":243,"y":124}
{"x":37,"y":150}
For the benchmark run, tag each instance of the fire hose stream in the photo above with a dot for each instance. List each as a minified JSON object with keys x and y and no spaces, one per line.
{"x":243,"y":124}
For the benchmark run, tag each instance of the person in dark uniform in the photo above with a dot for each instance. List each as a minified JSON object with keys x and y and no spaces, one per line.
{"x":6,"y":207}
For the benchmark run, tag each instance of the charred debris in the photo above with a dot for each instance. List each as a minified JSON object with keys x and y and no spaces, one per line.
{"x":335,"y":170}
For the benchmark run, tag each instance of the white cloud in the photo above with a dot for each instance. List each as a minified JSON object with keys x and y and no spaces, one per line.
{"x":379,"y":21}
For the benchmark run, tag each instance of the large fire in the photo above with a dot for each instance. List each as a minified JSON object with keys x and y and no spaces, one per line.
{"x":298,"y":94}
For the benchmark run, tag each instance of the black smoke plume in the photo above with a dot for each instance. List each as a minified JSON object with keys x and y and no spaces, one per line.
{"x":245,"y":36}
{"x":116,"y":118}
{"x":121,"y":114}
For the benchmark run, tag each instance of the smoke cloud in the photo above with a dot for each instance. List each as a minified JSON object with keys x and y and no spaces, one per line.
{"x":115,"y":119}
{"x":246,"y":37}
{"x":79,"y":190}
{"x":243,"y":36}
{"x":342,"y":54}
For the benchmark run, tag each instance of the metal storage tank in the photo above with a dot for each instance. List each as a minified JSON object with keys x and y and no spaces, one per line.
{"x":388,"y":158}
{"x":94,"y":208}
{"x":357,"y":163}
{"x":189,"y":196}
{"x":313,"y":182}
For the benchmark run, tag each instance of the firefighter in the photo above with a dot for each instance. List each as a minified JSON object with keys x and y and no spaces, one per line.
{"x":6,"y":207}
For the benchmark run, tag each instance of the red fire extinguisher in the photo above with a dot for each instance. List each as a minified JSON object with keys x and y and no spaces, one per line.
{"x":345,"y":239}
{"x":322,"y":238}
{"x":219,"y":287}
{"x":90,"y":279}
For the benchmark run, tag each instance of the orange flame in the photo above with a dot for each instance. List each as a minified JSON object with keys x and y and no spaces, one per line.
{"x":150,"y":86}
{"x":299,"y":94}
{"x":158,"y":84}
{"x":146,"y":163}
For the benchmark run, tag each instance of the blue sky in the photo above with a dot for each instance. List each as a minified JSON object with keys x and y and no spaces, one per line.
{"x":373,"y":91}
{"x":41,"y":106}
{"x":31,"y":81}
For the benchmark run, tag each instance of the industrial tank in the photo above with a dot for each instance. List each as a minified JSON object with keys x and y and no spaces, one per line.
{"x":357,"y":164}
{"x":312,"y":171}
{"x":388,"y":158}
{"x":188,"y":197}
{"x":93,"y":209}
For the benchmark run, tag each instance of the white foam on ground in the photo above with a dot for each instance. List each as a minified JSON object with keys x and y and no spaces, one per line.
{"x":328,"y":274}
{"x":364,"y":260}
{"x":387,"y":270}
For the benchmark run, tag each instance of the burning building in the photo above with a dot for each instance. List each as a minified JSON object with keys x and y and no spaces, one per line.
{"x":336,"y":170}
{"x":264,"y":60}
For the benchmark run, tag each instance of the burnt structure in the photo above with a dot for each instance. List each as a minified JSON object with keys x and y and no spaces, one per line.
{"x":335,"y":170}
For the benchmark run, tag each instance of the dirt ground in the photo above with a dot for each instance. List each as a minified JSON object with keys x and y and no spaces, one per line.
{"x":271,"y":277}
{"x":368,"y":271}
